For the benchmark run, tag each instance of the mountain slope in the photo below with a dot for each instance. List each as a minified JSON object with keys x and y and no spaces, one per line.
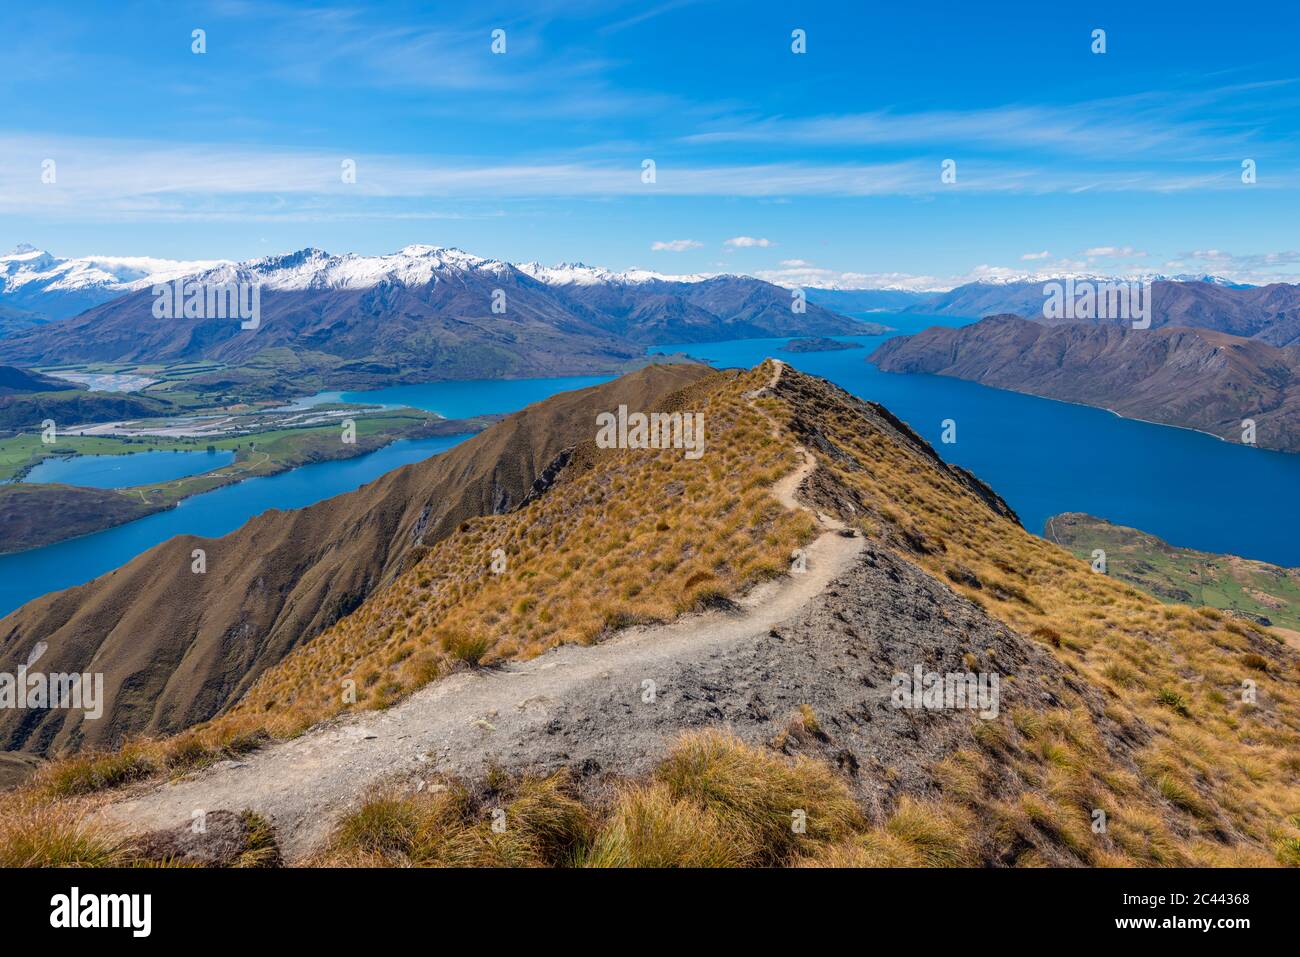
{"x":1270,"y":313}
{"x":74,"y":405}
{"x":1195,"y":378}
{"x":176,"y":647}
{"x":1257,"y":590}
{"x":37,"y":286}
{"x":19,"y":381}
{"x":13,"y":320}
{"x":426,"y":313}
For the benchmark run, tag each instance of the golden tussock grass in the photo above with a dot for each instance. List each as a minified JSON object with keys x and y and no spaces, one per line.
{"x":1203,"y":776}
{"x":712,"y":802}
{"x":637,"y":536}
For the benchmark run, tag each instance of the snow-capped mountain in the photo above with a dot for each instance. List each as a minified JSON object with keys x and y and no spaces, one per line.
{"x":580,"y":274}
{"x":33,"y":280}
{"x":1024,"y":278}
{"x":415,"y":265}
{"x":428,"y":312}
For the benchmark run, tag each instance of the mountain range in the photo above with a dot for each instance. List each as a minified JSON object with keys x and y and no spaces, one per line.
{"x":41,"y":287}
{"x":423,"y":313}
{"x":1270,"y":313}
{"x":638,"y":306}
{"x":1186,"y":376}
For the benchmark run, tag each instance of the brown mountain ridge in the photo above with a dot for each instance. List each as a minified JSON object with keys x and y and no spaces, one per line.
{"x":176,"y":647}
{"x":1189,"y":377}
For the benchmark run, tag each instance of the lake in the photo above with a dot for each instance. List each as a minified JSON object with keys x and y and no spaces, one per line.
{"x":1045,"y":457}
{"x":122,"y":471}
{"x":1042,"y":456}
{"x":27,"y":575}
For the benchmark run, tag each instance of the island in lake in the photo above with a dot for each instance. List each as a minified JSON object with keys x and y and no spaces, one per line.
{"x":818,"y":344}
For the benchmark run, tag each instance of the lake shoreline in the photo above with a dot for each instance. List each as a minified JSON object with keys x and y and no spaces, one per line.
{"x":59,"y":500}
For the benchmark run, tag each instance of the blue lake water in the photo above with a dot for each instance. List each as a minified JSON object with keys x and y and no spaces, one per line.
{"x":1045,"y":457}
{"x":121,"y":471}
{"x":27,"y":575}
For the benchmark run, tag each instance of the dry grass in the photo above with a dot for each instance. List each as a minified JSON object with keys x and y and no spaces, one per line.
{"x":635,"y":536}
{"x":712,"y":802}
{"x":36,"y":832}
{"x":1215,"y":778}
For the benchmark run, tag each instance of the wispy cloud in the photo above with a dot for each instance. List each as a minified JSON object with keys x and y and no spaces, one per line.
{"x":675,"y":245}
{"x":1114,"y":252}
{"x":747,"y":242}
{"x":1175,"y":127}
{"x":141,"y":178}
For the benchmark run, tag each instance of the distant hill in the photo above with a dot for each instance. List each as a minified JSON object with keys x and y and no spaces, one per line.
{"x":870,"y":300}
{"x":28,"y":398}
{"x":15,"y":381}
{"x":1270,"y":313}
{"x":13,"y":320}
{"x":819,"y":344}
{"x":1257,"y":590}
{"x":1196,"y":378}
{"x":72,"y":406}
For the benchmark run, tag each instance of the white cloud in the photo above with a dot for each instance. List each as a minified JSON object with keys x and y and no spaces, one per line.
{"x":1177,"y":125}
{"x":745,"y":242}
{"x":155,"y":180}
{"x":675,"y":245}
{"x":1114,"y":252}
{"x":1031,"y":256}
{"x":1254,"y":268}
{"x":806,"y":275}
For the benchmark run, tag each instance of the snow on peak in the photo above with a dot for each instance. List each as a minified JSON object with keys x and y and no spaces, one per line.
{"x":36,"y":271}
{"x":580,"y":274}
{"x":414,"y":265}
{"x":1014,"y":279}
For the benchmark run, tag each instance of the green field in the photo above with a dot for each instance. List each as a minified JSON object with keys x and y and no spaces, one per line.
{"x":32,"y":515}
{"x":284,"y":448}
{"x":1184,"y":575}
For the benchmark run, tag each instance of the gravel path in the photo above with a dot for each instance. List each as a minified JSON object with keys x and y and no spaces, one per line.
{"x":614,"y":705}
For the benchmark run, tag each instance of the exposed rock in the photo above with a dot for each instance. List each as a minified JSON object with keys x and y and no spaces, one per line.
{"x":215,"y":839}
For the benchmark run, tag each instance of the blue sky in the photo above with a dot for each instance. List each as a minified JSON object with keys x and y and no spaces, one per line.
{"x":821,"y":167}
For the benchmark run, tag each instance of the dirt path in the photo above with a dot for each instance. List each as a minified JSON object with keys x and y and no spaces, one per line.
{"x":616,"y":704}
